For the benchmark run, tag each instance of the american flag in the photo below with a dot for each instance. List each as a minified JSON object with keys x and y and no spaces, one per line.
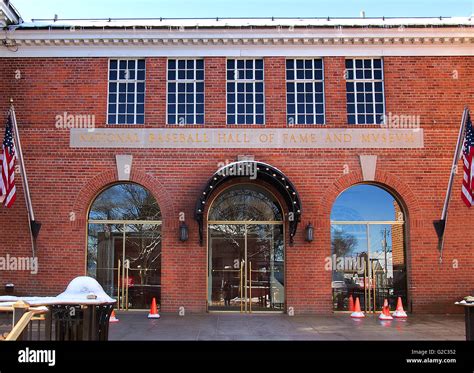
{"x":468,"y":160}
{"x":7,"y":167}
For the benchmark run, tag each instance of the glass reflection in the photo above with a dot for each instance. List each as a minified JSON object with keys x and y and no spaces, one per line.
{"x":245,"y":203}
{"x":368,"y":259}
{"x":348,"y":263}
{"x":246,"y":266}
{"x":125,"y":202}
{"x":246,"y":255}
{"x":125,"y":258}
{"x":226,"y":258}
{"x":265,"y":257}
{"x":365,"y":202}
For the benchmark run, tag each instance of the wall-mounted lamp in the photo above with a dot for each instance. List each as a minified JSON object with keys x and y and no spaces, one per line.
{"x":183,"y":232}
{"x":309,"y":233}
{"x":9,"y":288}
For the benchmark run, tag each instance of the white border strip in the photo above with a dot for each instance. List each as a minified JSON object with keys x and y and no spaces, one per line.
{"x":239,"y":51}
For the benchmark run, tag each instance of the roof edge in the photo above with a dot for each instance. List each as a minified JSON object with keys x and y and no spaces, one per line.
{"x":230,"y":22}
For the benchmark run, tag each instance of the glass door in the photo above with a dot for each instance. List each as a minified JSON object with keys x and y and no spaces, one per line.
{"x":142,"y":265}
{"x":246,"y":267}
{"x":124,"y":244}
{"x":367,"y":249}
{"x":348,"y":264}
{"x":226,"y":265}
{"x":105,"y":256}
{"x":265,"y":272}
{"x":367,"y":263}
{"x":126,"y":260}
{"x":383,"y":257}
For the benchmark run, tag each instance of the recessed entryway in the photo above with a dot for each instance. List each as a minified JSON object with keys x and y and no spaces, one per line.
{"x":246,"y":251}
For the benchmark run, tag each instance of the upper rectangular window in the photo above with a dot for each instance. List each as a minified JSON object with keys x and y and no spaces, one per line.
{"x":245,"y":97}
{"x":185,"y":91}
{"x":126,"y":102}
{"x":365,"y":91}
{"x":304,"y":91}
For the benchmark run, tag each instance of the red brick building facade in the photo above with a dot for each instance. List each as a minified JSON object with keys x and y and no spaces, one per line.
{"x":430,"y":75}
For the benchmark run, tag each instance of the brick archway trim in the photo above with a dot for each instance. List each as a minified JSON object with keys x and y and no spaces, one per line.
{"x":394,"y":184}
{"x":98,"y":183}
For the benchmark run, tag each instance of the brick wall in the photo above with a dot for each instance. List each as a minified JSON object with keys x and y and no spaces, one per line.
{"x":398,"y":239}
{"x":65,"y":181}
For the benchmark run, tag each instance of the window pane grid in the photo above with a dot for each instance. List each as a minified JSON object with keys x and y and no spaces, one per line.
{"x":305,"y":91}
{"x":126,"y":91}
{"x":365,"y":92}
{"x":245,"y":91}
{"x":185,"y":91}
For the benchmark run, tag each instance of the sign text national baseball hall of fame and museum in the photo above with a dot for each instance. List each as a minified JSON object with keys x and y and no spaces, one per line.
{"x":246,"y":138}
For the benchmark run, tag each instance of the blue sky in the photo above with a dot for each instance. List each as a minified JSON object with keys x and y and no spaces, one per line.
{"x":239,"y":8}
{"x":363,"y":202}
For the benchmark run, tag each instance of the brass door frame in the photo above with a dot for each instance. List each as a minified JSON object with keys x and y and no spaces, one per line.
{"x":370,"y":273}
{"x":123,"y":265}
{"x":245,"y":266}
{"x":116,"y":222}
{"x":370,"y":287}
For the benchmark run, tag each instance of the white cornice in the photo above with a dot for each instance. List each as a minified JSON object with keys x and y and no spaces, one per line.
{"x":268,"y":41}
{"x":275,"y":32}
{"x":159,"y":49}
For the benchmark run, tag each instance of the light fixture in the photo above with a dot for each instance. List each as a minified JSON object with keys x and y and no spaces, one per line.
{"x":9,"y":288}
{"x":309,"y":233}
{"x":35,"y":228}
{"x":183,"y":232}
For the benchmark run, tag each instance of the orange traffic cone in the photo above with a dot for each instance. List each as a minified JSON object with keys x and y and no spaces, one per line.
{"x":400,"y":312}
{"x":385,"y":315}
{"x":357,"y":314}
{"x":112,"y":317}
{"x":153,"y":310}
{"x":351,"y":303}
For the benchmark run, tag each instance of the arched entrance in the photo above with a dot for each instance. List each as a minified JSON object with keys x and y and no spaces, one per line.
{"x":368,"y":248}
{"x":124,"y":244}
{"x":246,"y":251}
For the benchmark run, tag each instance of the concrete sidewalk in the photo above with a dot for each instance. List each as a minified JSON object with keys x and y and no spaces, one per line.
{"x":134,"y":325}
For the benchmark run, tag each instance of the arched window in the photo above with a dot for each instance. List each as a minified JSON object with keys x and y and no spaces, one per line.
{"x":247,"y":203}
{"x":125,"y":202}
{"x":367,"y":248}
{"x":124,"y":244}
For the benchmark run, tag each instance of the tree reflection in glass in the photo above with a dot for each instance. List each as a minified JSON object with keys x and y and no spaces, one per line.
{"x":120,"y":237}
{"x":246,"y":250}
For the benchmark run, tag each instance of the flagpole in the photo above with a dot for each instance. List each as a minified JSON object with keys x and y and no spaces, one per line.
{"x":444,"y":213}
{"x":26,"y":189}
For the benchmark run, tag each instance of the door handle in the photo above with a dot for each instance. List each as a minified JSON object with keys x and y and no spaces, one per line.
{"x":241,"y":290}
{"x":118,"y":283}
{"x":374,"y":280}
{"x":250,"y":287}
{"x":128,"y":284}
